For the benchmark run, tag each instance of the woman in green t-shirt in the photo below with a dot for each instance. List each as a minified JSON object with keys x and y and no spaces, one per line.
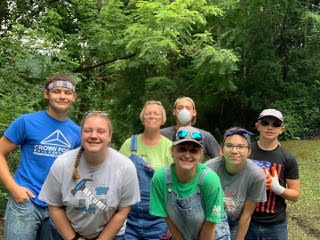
{"x":186,"y":193}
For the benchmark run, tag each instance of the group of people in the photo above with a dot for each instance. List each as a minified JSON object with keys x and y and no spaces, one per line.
{"x":70,"y":184}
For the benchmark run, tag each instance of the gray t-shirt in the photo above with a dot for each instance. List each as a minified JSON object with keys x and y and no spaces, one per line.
{"x":91,"y":201}
{"x":249,"y":184}
{"x":211,"y":146}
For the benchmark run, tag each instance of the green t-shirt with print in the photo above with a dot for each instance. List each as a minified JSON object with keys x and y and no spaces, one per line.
{"x":211,"y":190}
{"x":157,"y":156}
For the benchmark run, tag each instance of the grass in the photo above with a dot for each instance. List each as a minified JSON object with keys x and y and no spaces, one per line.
{"x":303,"y":216}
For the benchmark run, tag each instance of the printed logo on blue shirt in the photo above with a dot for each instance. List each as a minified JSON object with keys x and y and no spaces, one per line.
{"x":53,"y":145}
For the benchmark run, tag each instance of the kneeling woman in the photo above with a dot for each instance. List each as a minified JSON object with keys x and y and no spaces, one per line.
{"x":90,"y":190}
{"x":187,"y":194}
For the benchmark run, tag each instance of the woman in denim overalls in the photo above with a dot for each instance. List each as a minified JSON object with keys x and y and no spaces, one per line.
{"x":187,"y":193}
{"x":148,"y":151}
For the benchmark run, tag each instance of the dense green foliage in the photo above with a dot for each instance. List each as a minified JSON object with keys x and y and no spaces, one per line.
{"x":233,"y":57}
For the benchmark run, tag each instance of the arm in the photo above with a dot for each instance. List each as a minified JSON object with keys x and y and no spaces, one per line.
{"x":19,"y":194}
{"x":207,"y":230}
{"x":244,"y":220}
{"x":176,"y":234}
{"x":292,"y":192}
{"x":62,"y":223}
{"x":115,"y":224}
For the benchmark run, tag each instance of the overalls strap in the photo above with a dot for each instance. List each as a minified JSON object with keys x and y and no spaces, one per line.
{"x":168,"y":175}
{"x":134,"y":144}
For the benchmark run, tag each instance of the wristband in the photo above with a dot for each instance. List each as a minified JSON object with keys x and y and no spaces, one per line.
{"x":76,"y":237}
{"x":278,"y":189}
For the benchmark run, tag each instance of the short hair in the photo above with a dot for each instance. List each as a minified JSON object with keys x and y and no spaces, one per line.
{"x":194,"y":119}
{"x":152,"y":102}
{"x":59,"y":77}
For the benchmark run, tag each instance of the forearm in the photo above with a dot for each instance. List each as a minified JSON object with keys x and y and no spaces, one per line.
{"x":176,"y":234}
{"x":6,"y":147}
{"x":207,"y":230}
{"x":243,"y":226}
{"x":292,"y":192}
{"x":61,"y":222}
{"x":114,"y":225}
{"x":244,"y":221}
{"x":5,"y":175}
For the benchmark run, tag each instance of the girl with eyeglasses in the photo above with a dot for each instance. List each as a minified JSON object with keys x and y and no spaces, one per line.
{"x":243,"y":182}
{"x":149,"y":151}
{"x":91,"y":189}
{"x":187,"y":193}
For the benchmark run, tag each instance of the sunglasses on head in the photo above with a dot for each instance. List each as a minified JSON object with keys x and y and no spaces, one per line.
{"x":101,"y":113}
{"x":196,"y":135}
{"x":274,"y":124}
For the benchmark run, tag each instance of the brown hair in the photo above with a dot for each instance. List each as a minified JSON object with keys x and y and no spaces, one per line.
{"x":59,"y":77}
{"x":75,"y":174}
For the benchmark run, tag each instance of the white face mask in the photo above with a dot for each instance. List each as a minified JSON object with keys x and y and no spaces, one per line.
{"x":184,"y":116}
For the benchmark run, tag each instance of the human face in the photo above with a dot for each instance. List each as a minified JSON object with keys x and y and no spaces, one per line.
{"x":235,"y":150}
{"x":152,"y":116}
{"x":269,"y":132}
{"x":184,"y":103}
{"x":96,"y":134}
{"x":186,"y":156}
{"x":60,"y":99}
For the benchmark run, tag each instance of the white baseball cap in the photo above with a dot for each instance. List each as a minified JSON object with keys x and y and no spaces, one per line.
{"x":271,"y":113}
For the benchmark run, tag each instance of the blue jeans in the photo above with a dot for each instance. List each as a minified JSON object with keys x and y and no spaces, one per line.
{"x":222,"y":230}
{"x":27,"y":221}
{"x":259,"y":231}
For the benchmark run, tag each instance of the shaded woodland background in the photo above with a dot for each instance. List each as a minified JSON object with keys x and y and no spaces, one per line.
{"x":234,"y":58}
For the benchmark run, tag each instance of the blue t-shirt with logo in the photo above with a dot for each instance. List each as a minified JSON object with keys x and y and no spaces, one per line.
{"x":42,"y":139}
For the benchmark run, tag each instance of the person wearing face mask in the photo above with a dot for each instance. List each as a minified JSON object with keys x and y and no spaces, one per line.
{"x":185,"y":113}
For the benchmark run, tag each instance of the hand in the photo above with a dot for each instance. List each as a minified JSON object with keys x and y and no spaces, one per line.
{"x":274,"y":184}
{"x":268,"y":178}
{"x":21,"y":194}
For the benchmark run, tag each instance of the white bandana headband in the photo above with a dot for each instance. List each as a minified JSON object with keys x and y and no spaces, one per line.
{"x":61,"y":83}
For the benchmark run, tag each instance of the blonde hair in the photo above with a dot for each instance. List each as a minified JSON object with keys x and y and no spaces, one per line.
{"x":75,"y":174}
{"x":152,"y":102}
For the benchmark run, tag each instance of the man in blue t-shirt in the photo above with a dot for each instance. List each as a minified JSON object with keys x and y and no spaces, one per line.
{"x":42,"y":136}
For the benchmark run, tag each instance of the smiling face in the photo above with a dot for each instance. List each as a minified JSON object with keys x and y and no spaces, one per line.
{"x":235,"y":151}
{"x":152,"y":117}
{"x":186,"y":156}
{"x":60,"y":99}
{"x":269,"y":132}
{"x":96,"y":134}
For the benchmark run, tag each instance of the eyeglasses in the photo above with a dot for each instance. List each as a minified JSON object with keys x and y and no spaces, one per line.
{"x":196,"y":135}
{"x":239,"y":148}
{"x":274,"y":124}
{"x":156,"y":114}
